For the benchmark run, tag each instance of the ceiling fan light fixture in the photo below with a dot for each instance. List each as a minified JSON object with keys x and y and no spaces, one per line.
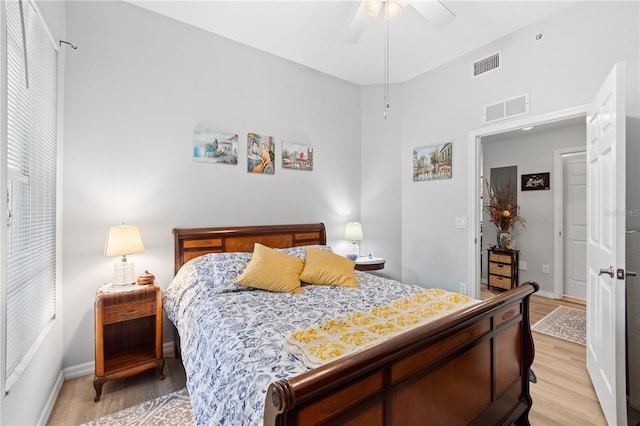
{"x":372,"y":7}
{"x":392,"y":9}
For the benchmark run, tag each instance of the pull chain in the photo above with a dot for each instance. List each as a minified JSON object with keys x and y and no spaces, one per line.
{"x":386,"y":59}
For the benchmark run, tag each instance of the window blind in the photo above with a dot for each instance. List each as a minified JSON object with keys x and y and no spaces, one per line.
{"x":30,"y":169}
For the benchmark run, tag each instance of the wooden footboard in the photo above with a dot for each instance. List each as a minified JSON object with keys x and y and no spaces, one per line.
{"x":471,"y":367}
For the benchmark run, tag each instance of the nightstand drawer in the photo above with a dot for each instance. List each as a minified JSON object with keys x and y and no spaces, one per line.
{"x":500,"y":282}
{"x":129,"y":311}
{"x":498,"y":257}
{"x":500,"y":269}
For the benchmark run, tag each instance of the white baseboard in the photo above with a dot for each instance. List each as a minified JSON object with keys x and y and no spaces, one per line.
{"x":48,"y":408}
{"x":79,"y":370}
{"x":546,"y":294}
{"x":90,"y":367}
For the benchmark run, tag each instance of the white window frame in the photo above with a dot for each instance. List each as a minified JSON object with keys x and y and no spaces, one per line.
{"x":6,"y":381}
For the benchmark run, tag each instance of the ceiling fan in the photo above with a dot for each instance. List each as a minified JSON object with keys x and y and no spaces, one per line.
{"x":432,"y":10}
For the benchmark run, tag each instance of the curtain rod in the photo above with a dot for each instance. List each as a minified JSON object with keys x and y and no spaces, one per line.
{"x":66,"y":42}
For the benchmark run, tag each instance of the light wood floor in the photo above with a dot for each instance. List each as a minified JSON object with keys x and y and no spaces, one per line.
{"x":75,"y":404}
{"x":563,"y":395}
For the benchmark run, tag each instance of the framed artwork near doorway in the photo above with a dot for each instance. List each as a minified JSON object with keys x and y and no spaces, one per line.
{"x":535,"y":182}
{"x":433,"y":162}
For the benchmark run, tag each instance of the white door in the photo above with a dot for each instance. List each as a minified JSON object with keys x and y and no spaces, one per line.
{"x":574,"y":180}
{"x":606,"y":246}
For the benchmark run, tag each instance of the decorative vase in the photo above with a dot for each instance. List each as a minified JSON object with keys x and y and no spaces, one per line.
{"x":504,"y":239}
{"x":146,"y":278}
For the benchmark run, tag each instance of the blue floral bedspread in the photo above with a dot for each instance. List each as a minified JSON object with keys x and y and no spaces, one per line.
{"x":233,"y":337}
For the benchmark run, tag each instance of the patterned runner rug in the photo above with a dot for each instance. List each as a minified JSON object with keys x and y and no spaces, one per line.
{"x":168,"y":410}
{"x":564,"y":323}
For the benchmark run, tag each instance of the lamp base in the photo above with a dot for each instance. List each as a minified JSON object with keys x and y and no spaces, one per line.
{"x":354,"y":251}
{"x":123,"y":274}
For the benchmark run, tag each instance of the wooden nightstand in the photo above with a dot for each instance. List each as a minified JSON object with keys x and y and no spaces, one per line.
{"x":365,"y":263}
{"x":128,"y":333}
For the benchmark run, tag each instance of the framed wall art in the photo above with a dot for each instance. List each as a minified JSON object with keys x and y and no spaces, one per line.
{"x":261,"y":154}
{"x":535,"y":182}
{"x":297,"y":156}
{"x":211,"y":146}
{"x":433,"y":162}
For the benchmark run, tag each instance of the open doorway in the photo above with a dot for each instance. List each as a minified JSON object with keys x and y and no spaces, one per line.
{"x":532,"y":153}
{"x":478,"y":162}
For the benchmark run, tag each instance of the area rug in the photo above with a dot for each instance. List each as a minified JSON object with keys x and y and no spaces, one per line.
{"x":564,"y":323}
{"x":172,"y":409}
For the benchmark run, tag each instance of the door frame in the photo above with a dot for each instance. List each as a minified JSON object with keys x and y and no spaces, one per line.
{"x":558,"y":212}
{"x":475,"y":184}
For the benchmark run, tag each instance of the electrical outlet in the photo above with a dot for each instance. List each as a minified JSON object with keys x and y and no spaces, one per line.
{"x":522,"y":265}
{"x":545,"y":269}
{"x":463,"y":288}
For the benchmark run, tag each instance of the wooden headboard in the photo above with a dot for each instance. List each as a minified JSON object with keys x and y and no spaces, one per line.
{"x":194,"y":242}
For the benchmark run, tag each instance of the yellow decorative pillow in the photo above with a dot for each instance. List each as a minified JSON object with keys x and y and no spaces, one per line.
{"x":327,"y":268}
{"x":271,"y":270}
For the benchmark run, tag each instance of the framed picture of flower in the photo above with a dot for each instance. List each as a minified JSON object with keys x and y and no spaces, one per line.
{"x":535,"y":182}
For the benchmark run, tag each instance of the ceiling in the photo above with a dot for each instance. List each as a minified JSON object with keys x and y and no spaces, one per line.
{"x":535,"y":129}
{"x":310,"y":32}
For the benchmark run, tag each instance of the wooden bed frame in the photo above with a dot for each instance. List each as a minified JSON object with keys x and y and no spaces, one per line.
{"x":471,"y":367}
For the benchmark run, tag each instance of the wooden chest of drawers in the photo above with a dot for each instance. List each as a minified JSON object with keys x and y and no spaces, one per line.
{"x":503,"y":268}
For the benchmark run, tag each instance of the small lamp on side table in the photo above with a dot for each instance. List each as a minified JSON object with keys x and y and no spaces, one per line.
{"x":121,"y":241}
{"x":353,"y":233}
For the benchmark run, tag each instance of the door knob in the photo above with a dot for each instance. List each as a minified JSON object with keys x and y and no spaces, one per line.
{"x":608,"y":271}
{"x":621,"y":274}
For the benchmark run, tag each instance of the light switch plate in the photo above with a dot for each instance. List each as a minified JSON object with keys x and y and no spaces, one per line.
{"x":461,"y":222}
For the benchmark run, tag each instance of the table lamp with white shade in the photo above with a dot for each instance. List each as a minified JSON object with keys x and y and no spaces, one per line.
{"x":353,"y":233}
{"x":121,"y":241}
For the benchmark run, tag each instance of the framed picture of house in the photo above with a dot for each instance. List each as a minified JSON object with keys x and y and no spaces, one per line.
{"x":433,"y":162}
{"x":212,"y":146}
{"x":535,"y":182}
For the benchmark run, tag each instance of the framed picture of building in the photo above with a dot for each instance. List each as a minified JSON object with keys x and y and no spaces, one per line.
{"x":433,"y":162}
{"x":212,"y":146}
{"x":261,"y":154}
{"x":297,"y":156}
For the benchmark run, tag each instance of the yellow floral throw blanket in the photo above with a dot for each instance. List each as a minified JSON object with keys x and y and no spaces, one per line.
{"x":338,"y":337}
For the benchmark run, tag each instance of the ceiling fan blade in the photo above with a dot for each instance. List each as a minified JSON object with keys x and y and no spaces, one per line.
{"x":434,"y":11}
{"x":358,"y":24}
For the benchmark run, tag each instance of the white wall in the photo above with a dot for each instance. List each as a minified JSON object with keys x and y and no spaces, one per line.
{"x":136,"y":87}
{"x":139,"y":83}
{"x":31,"y":398}
{"x":381,"y":179}
{"x":532,"y":153}
{"x":562,"y":70}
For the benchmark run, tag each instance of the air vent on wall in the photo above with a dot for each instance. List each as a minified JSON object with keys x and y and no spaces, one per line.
{"x":507,"y":108}
{"x":490,"y":63}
